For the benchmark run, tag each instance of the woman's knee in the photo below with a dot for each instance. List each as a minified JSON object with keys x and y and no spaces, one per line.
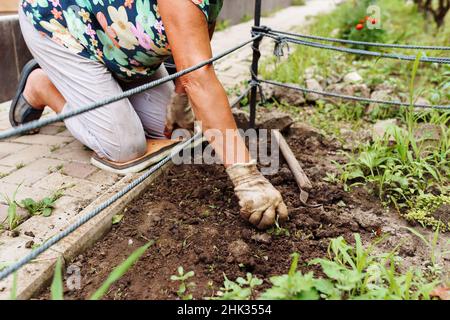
{"x":130,"y":147}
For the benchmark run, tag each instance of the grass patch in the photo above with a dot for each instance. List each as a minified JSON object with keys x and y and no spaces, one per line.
{"x":403,"y":165}
{"x":396,"y":15}
{"x":427,"y":211}
{"x":352,"y":273}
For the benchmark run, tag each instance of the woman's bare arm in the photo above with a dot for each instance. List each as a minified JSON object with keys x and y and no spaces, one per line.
{"x":178,"y":85}
{"x":189,"y":38}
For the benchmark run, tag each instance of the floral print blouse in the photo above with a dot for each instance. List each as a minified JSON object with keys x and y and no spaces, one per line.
{"x":126,"y":35}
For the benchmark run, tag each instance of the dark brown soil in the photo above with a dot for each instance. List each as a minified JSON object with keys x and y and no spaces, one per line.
{"x":193,"y":216}
{"x":442,"y":214}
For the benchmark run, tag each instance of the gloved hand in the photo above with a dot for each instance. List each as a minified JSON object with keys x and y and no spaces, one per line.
{"x":260,"y":202}
{"x":179,"y":113}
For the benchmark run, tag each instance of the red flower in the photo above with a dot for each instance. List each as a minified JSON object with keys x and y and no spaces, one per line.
{"x":129,"y":4}
{"x":56,"y":14}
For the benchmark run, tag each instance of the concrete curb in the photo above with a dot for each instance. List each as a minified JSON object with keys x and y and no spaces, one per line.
{"x":36,"y":275}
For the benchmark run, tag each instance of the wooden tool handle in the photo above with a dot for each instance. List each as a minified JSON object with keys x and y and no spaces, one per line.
{"x":300,"y":176}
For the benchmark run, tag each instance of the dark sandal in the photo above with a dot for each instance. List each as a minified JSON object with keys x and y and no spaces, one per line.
{"x":21,"y":111}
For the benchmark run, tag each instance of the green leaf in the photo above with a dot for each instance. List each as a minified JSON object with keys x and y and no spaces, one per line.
{"x":120,"y":270}
{"x":47,"y":212}
{"x":13,"y":294}
{"x":48,"y":202}
{"x":413,"y":77}
{"x":357,"y":173}
{"x":57,"y":287}
{"x":28,"y":203}
{"x":419,"y":235}
{"x":12,"y":215}
{"x":3,"y":265}
{"x":182,"y":288}
{"x":117,"y":218}
{"x":311,"y":294}
{"x":294,"y":264}
{"x":327,"y":287}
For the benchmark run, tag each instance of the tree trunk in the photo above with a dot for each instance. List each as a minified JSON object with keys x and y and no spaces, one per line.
{"x":438,"y":12}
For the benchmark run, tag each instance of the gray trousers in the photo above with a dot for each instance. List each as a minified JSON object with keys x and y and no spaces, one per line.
{"x":117,"y":131}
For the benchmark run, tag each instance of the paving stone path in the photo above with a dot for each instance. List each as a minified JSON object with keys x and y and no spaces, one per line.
{"x":39,"y":165}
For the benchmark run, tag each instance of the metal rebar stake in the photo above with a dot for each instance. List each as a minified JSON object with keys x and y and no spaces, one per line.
{"x":255,"y":64}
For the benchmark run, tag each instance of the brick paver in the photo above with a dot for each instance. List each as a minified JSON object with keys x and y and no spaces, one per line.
{"x":43,"y":163}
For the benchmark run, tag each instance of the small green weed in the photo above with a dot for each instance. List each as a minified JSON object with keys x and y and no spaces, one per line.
{"x":242,"y":289}
{"x":13,"y":218}
{"x":353,"y":272}
{"x":424,"y":210}
{"x":185,"y":286}
{"x":294,"y":285}
{"x":42,"y":207}
{"x":222,"y":25}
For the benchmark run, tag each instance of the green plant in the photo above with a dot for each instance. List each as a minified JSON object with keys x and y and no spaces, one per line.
{"x":294,"y":285}
{"x":397,"y":166}
{"x":117,"y":218}
{"x":246,"y":17}
{"x":242,"y":289}
{"x":352,"y":272}
{"x":183,"y":289}
{"x":424,"y":210}
{"x":54,"y":147}
{"x":44,"y":206}
{"x":354,"y":25}
{"x":357,"y":273}
{"x":3,"y":265}
{"x":20,"y":165}
{"x":57,"y":287}
{"x":401,"y":165}
{"x":278,"y":231}
{"x":13,"y":293}
{"x":13,"y":218}
{"x":222,"y":25}
{"x":298,"y":2}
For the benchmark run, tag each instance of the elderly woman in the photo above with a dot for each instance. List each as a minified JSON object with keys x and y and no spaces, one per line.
{"x":86,"y":50}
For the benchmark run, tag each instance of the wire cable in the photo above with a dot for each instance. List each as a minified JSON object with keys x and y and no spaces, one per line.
{"x":360,"y":99}
{"x":363,"y":43}
{"x":281,"y":40}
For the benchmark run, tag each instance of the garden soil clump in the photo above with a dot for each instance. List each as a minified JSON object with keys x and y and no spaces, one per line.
{"x":192,"y":214}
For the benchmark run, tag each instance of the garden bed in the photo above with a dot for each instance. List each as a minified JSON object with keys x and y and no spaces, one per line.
{"x":193,"y":216}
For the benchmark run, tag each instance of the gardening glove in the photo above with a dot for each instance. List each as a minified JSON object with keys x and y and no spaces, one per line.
{"x":179,"y":113}
{"x":261,"y":204}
